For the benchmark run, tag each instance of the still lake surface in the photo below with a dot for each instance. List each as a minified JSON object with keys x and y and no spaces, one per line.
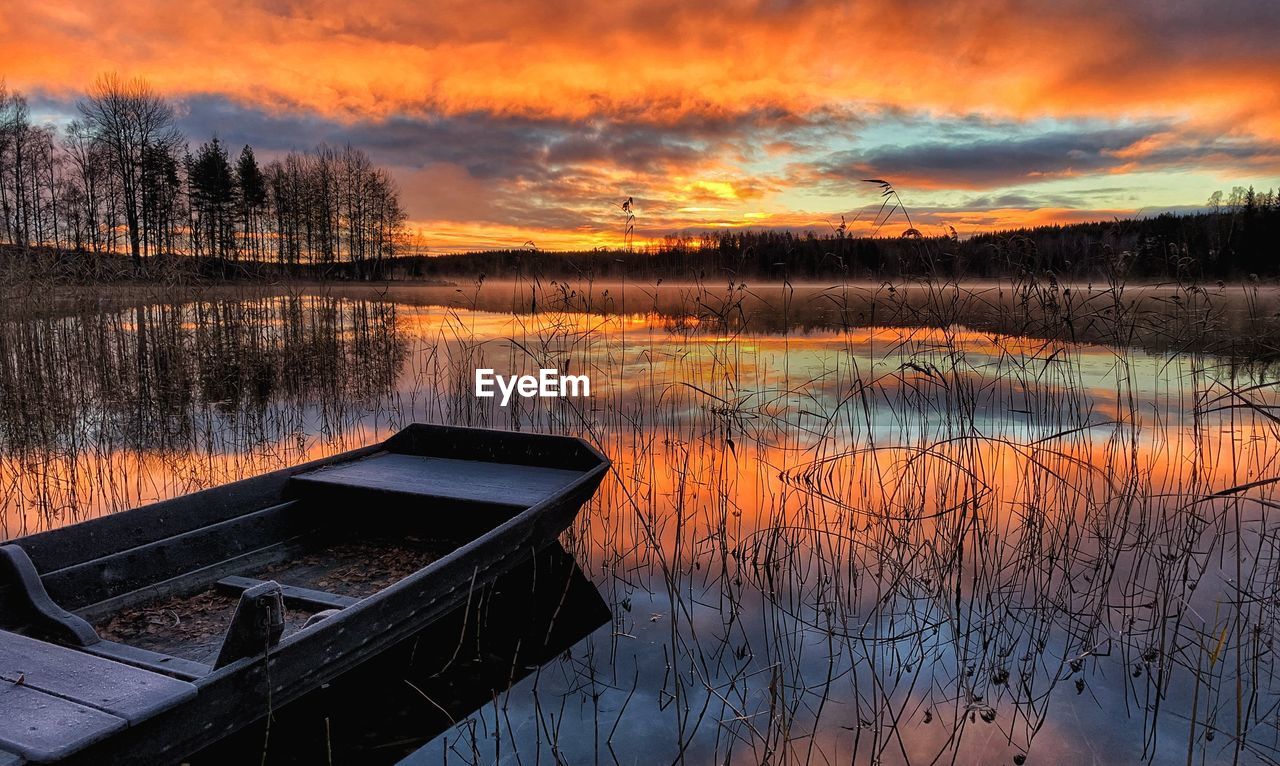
{"x":983,"y":524}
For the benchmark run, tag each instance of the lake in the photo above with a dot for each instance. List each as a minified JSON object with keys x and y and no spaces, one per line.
{"x":1015,"y":522}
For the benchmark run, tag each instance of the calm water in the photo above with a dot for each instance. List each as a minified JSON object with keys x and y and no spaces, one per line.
{"x":843,"y":525}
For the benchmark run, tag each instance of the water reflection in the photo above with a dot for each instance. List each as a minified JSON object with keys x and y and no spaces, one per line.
{"x":908,"y":543}
{"x":1235,"y":321}
{"x":104,"y":410}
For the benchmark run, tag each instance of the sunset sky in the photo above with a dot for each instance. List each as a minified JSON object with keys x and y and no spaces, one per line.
{"x":507,"y":122}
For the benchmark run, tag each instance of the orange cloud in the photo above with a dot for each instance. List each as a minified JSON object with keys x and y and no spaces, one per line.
{"x":579,"y":58}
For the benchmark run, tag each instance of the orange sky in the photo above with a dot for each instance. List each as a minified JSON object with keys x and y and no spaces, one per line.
{"x":508,"y":122}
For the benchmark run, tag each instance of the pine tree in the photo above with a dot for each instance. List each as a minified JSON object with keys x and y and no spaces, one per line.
{"x":252,"y":198}
{"x":212,"y":189}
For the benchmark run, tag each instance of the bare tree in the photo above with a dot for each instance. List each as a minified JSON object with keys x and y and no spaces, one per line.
{"x":89,"y":165}
{"x":8,"y":112}
{"x":134,"y":124}
{"x":15,"y":134}
{"x":330,"y":205}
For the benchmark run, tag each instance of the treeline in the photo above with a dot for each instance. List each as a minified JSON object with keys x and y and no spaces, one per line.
{"x":1237,"y":237}
{"x":122,"y":178}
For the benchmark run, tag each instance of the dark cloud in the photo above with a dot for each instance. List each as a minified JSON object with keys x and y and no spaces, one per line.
{"x":567,"y":174}
{"x":1032,"y":200}
{"x":1248,"y":27}
{"x":994,"y":162}
{"x":983,"y":163}
{"x":517,"y":170}
{"x":501,"y":146}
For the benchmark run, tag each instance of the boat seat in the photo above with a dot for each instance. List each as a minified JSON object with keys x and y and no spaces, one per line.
{"x":305,"y":598}
{"x":56,"y":701}
{"x":502,"y":484}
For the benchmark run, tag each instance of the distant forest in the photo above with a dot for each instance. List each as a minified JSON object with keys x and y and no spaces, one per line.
{"x":1237,"y":237}
{"x":121,"y":178}
{"x":121,"y":184}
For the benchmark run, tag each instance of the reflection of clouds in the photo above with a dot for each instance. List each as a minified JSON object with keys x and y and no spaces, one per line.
{"x":1161,"y":318}
{"x":951,"y":417}
{"x":726,"y":699}
{"x":1005,"y":376}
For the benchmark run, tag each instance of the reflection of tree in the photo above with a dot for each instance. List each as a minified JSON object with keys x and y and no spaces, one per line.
{"x":148,"y":376}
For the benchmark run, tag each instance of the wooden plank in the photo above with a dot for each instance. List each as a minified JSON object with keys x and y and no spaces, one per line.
{"x":499,"y":483}
{"x":43,"y":728}
{"x":167,"y":664}
{"x":304,"y":597}
{"x":121,"y":690}
{"x":127,"y":571}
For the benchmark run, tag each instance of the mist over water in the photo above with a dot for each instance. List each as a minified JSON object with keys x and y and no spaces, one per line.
{"x":911,"y":523}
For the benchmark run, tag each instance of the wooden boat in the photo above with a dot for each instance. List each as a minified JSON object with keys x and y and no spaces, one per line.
{"x":394,"y":708}
{"x":148,"y":634}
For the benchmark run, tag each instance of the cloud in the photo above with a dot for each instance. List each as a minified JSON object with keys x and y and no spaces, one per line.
{"x":584,"y":58}
{"x":487,"y":144}
{"x":538,"y":117}
{"x":994,"y":162}
{"x":517,"y":170}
